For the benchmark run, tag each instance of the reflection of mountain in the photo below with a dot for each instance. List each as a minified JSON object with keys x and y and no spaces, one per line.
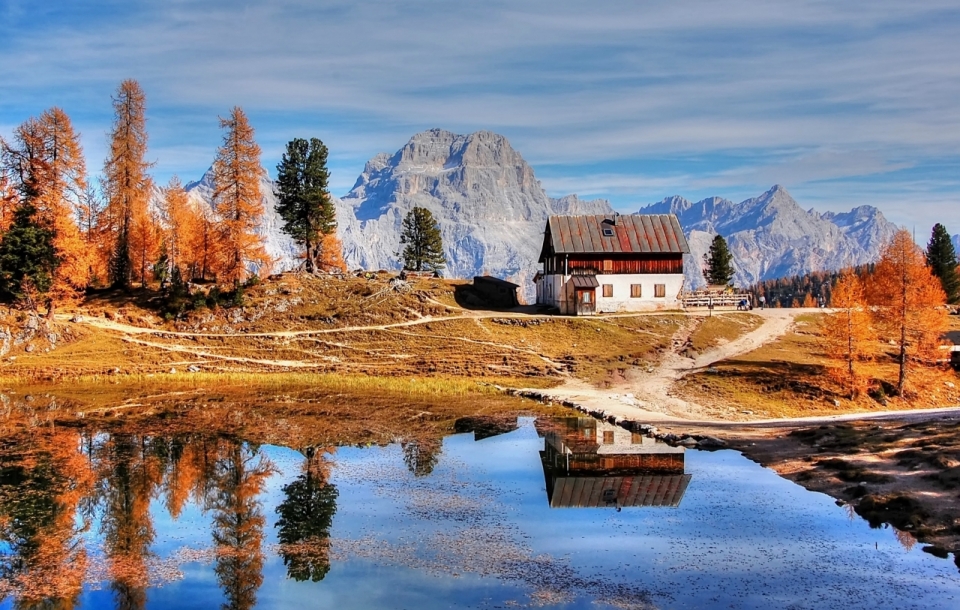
{"x":589,"y":463}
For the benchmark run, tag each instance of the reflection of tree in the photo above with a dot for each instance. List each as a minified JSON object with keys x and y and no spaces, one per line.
{"x":240,"y":474}
{"x":181,"y":474}
{"x":40,"y":489}
{"x":306,"y":515}
{"x":421,"y":456}
{"x":131,"y":470}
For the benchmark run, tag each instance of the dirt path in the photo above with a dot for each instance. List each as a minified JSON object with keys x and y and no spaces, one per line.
{"x":646,"y":396}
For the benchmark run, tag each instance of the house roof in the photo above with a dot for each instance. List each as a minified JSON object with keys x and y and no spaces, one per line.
{"x":585,"y":281}
{"x":477,"y":279}
{"x":600,"y":491}
{"x":604,"y":233}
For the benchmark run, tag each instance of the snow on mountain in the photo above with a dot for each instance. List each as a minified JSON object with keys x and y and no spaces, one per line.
{"x":490,"y":207}
{"x":492,"y":210}
{"x":771,"y":236}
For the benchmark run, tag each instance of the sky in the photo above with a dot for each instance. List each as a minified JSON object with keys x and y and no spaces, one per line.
{"x":843,"y":103}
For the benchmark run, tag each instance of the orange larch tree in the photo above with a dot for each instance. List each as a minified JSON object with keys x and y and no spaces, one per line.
{"x":331,"y":254}
{"x":182,"y":223}
{"x":909,"y":303}
{"x":9,"y":200}
{"x":45,"y":163}
{"x":127,"y":186}
{"x":848,"y":332}
{"x":238,"y":201}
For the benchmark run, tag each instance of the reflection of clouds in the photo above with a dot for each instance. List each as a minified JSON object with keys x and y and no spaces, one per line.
{"x":453,"y":525}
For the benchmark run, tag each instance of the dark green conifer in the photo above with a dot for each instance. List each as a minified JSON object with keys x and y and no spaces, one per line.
{"x":424,"y":246}
{"x":718,"y":263}
{"x":303,"y":198}
{"x":942,"y":259}
{"x":28,"y":259}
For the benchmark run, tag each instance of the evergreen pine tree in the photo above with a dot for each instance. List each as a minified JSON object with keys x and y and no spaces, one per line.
{"x":424,"y":246}
{"x":942,"y":259}
{"x":303,"y":198}
{"x":718,"y":263}
{"x":28,"y":259}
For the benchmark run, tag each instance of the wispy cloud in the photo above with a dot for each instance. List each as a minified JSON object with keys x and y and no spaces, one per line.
{"x":740,"y":93}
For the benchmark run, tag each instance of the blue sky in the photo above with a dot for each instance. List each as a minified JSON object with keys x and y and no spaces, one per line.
{"x":844,"y":103}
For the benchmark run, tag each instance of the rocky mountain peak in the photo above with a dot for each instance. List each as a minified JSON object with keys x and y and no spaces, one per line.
{"x":490,"y":207}
{"x":771,"y":236}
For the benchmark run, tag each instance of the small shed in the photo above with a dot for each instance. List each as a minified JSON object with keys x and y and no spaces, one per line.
{"x":952,"y":343}
{"x":496,"y":292}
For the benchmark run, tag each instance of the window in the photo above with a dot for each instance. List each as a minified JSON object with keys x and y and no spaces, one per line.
{"x":636,"y":438}
{"x":608,"y":437}
{"x":587,"y":296}
{"x":659,"y":290}
{"x":607,"y":266}
{"x":607,"y":232}
{"x":635,"y":291}
{"x":608,"y":290}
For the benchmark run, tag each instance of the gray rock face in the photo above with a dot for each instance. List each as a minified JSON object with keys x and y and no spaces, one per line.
{"x":956,"y":243}
{"x":771,"y":236}
{"x":490,"y":207}
{"x":492,"y":210}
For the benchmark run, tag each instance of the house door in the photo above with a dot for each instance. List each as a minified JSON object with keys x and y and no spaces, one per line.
{"x":586,"y":302}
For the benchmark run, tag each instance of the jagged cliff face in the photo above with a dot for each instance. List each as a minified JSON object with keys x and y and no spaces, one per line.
{"x":490,"y":207}
{"x":771,"y":236}
{"x":492,"y":211}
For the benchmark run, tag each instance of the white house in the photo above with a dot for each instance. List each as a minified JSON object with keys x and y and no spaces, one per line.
{"x":611,"y":263}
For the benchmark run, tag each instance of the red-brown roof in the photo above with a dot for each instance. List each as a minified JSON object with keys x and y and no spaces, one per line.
{"x":600,"y":491}
{"x":605,"y":233}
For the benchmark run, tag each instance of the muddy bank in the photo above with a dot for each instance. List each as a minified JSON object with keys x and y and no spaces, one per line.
{"x":893,"y":473}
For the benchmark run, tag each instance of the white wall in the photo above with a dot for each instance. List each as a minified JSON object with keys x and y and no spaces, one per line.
{"x":552,"y":290}
{"x":622,"y":301}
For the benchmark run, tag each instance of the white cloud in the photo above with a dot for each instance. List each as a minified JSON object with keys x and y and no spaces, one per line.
{"x":824,"y":90}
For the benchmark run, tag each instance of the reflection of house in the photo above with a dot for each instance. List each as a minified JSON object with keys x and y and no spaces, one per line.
{"x":589,"y":463}
{"x":596,"y":264}
{"x":485,"y":426}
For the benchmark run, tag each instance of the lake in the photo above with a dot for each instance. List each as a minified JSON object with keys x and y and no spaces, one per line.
{"x":548,"y":512}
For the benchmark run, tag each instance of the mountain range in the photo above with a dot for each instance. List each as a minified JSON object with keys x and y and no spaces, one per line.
{"x":491,"y":210}
{"x":771,"y":236}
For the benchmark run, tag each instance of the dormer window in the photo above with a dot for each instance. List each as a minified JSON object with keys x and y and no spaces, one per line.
{"x":607,"y":232}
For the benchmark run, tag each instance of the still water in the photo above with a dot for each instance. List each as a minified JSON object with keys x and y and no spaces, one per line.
{"x":567,"y":513}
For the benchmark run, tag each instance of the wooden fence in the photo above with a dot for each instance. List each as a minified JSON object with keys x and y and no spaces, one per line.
{"x":714,"y":300}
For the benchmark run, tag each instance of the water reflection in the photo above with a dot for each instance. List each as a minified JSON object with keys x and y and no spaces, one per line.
{"x":54,"y":485}
{"x":40,"y":495}
{"x":590,"y":463}
{"x":306,"y":515}
{"x":94,"y":519}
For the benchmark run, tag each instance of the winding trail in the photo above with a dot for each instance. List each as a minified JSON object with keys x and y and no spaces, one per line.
{"x":646,"y":396}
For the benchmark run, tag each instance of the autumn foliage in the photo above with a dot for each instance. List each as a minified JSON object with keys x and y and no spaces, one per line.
{"x":128,"y":228}
{"x":59,"y":235}
{"x":849,"y":332}
{"x":909,"y":302}
{"x":238,"y":200}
